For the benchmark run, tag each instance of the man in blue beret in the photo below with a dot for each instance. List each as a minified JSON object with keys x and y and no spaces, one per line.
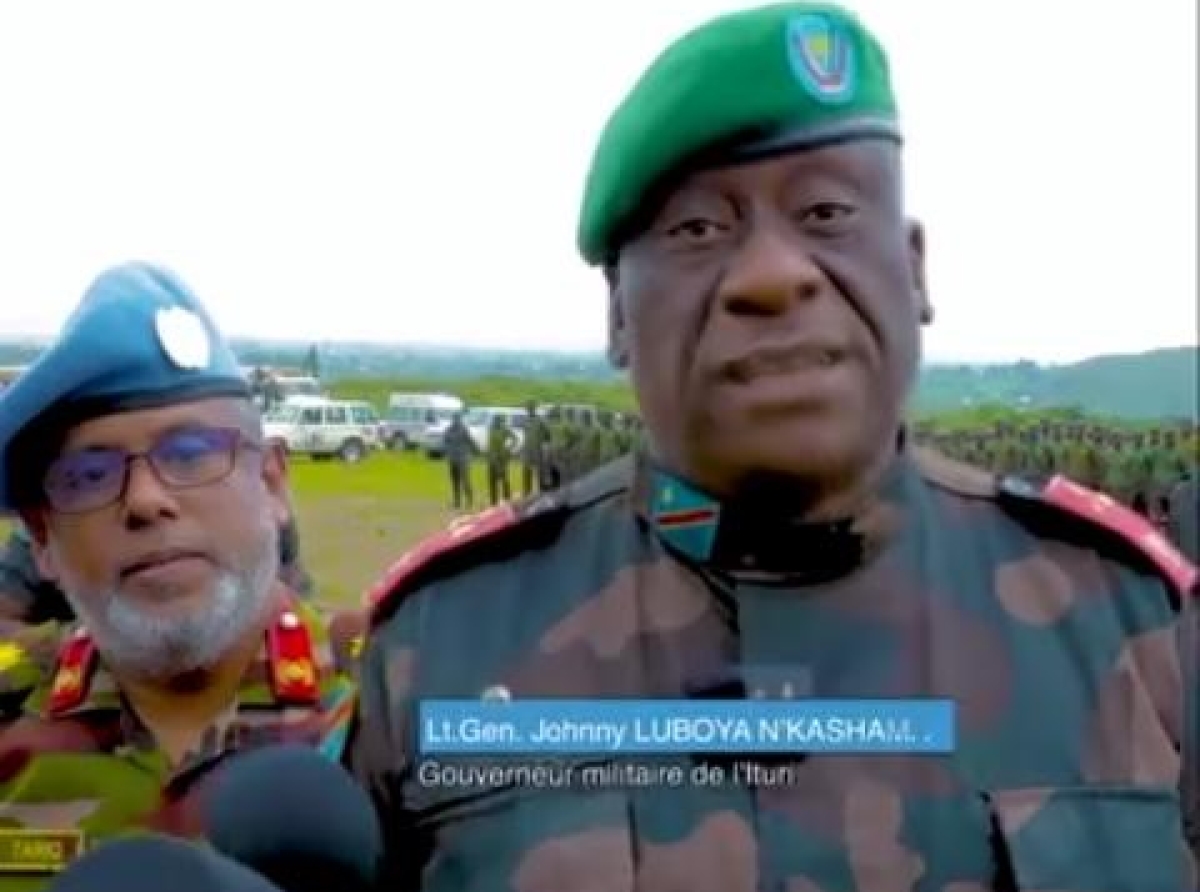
{"x":135,"y":459}
{"x":780,"y":537}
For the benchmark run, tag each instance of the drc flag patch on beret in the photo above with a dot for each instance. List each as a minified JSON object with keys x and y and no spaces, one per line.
{"x":821,"y":54}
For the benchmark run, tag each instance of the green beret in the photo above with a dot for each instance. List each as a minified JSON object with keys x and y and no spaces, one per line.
{"x":763,"y":81}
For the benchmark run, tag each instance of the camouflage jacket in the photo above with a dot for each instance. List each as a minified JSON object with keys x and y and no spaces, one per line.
{"x":1055,"y":635}
{"x":78,"y":767}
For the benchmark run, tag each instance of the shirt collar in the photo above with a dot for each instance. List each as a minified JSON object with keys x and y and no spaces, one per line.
{"x":264,"y":710}
{"x":740,"y":537}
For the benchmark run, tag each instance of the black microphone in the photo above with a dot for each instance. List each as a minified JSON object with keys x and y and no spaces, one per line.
{"x":155,"y":864}
{"x":298,"y":819}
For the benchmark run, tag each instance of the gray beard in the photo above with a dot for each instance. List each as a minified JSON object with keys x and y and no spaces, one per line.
{"x":139,"y":645}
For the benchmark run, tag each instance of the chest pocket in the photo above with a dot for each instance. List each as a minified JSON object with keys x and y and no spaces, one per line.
{"x":63,"y":803}
{"x":527,"y":835}
{"x":1093,"y":839}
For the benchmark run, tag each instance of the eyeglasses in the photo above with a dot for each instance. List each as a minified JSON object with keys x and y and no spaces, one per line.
{"x":89,"y":479}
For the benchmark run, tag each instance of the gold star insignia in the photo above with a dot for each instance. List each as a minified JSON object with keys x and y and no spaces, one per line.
{"x":69,"y":679}
{"x":296,"y":671}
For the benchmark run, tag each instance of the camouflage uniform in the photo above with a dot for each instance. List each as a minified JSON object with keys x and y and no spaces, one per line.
{"x":499,"y":452}
{"x":77,"y":767}
{"x":1048,"y":614}
{"x":1054,"y":634}
{"x":533,"y":454}
{"x":459,"y":449}
{"x":561,"y":446}
{"x":567,"y":446}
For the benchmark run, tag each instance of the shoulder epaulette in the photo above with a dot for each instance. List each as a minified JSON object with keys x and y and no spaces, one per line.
{"x":77,"y":662}
{"x":490,"y":525}
{"x":460,"y":533}
{"x":1105,"y":512}
{"x":292,"y":659}
{"x":959,"y":478}
{"x":603,"y":483}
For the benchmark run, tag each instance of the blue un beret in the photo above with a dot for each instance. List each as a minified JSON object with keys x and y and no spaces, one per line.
{"x":139,"y":339}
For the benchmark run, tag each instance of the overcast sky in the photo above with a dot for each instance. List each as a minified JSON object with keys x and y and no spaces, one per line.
{"x":399,"y":171}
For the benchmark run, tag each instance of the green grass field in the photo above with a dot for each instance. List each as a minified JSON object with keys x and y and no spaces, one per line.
{"x":356,"y":519}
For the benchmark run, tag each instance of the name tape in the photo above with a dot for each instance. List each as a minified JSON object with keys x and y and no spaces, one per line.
{"x":38,"y":851}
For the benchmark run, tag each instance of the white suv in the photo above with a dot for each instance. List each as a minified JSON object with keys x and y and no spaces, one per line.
{"x":324,"y":428}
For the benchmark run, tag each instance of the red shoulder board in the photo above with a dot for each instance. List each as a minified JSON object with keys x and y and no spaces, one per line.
{"x":293,"y":666}
{"x":73,"y":673}
{"x":463,"y":530}
{"x":1126,"y":523}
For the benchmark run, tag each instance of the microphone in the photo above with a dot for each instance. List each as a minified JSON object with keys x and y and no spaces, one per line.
{"x":297,"y":819}
{"x":154,"y":863}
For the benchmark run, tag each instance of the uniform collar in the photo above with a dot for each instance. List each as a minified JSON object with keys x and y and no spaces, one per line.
{"x":743,"y":538}
{"x":293,"y":674}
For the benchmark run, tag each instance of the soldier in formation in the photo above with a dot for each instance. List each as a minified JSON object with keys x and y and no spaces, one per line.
{"x":1141,"y":468}
{"x":782,"y":536}
{"x":135,"y":458}
{"x":499,"y":452}
{"x":534,"y":449}
{"x":581,"y":441}
{"x":459,"y":448}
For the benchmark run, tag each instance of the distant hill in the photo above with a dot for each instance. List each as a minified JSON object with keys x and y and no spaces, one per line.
{"x":1157,"y":384}
{"x":1142,"y":386}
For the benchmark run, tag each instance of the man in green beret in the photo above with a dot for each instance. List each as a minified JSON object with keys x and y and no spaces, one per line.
{"x":780,"y":537}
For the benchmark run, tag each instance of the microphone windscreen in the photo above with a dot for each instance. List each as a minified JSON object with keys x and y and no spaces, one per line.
{"x":296,"y":818}
{"x":156,"y":864}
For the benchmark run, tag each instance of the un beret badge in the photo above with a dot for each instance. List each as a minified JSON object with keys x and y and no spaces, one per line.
{"x":183,"y":337}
